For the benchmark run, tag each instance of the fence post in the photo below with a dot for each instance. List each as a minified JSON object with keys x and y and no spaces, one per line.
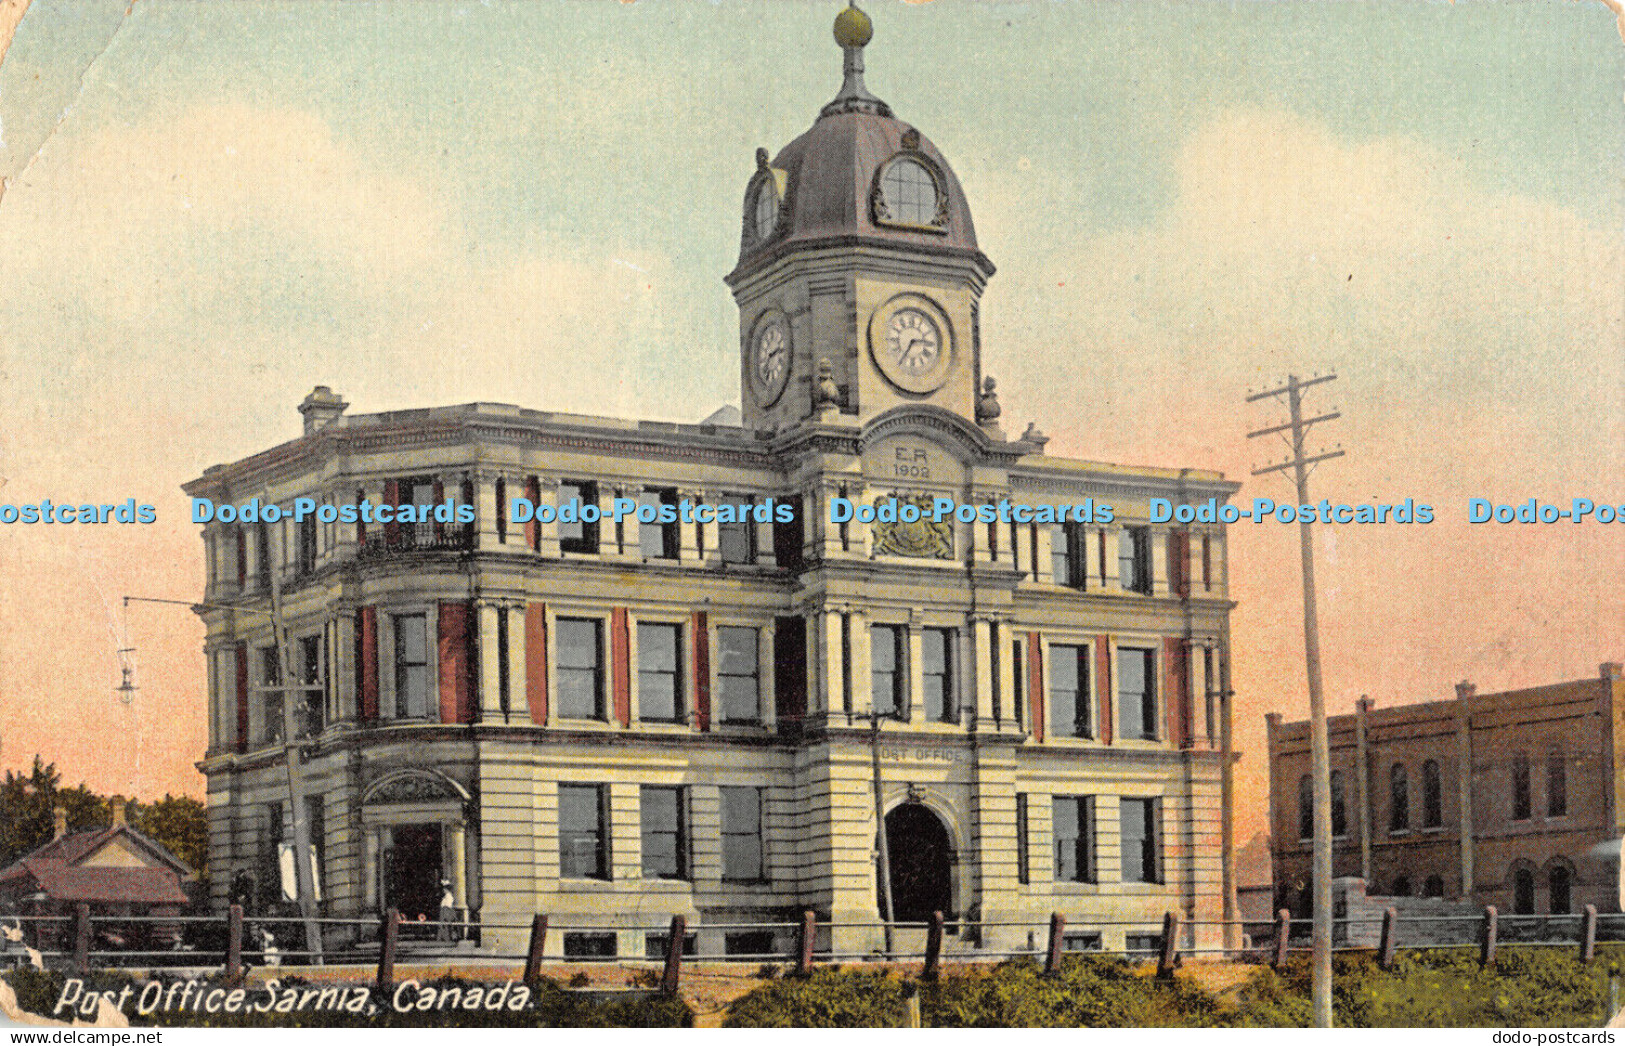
{"x":388,"y":937}
{"x":1283,"y":936}
{"x":674,"y":955}
{"x":1169,"y":953}
{"x":804,"y":946}
{"x":1588,"y":934}
{"x":81,"y":938}
{"x":533,"y":954}
{"x":933,"y":947}
{"x":234,"y":944}
{"x":1486,"y":952}
{"x":1390,"y":933}
{"x":911,"y":1006}
{"x":1057,"y":928}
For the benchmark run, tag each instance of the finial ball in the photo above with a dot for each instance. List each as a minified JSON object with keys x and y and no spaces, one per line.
{"x":853,"y":28}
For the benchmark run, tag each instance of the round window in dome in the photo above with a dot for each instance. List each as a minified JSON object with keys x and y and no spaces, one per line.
{"x":767,"y":209}
{"x":909,"y":192}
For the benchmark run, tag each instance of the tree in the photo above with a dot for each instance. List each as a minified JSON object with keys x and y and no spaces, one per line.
{"x":180,"y":823}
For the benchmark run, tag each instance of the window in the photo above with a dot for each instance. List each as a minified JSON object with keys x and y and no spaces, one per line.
{"x":583,"y":832}
{"x":589,"y":946}
{"x":310,"y":674}
{"x":574,"y":535}
{"x":1067,"y":562}
{"x":1557,"y":785}
{"x":1211,"y":697}
{"x":1434,"y":887}
{"x":420,"y":494}
{"x":1142,"y":943}
{"x":654,"y":945}
{"x":1136,"y":692}
{"x":1432,"y":795}
{"x":1558,"y":884}
{"x":316,"y":827}
{"x":887,"y":668}
{"x":766,"y":209}
{"x":1018,"y":681}
{"x":736,"y":541}
{"x":1306,"y":807}
{"x":936,"y":670}
{"x":660,"y":679}
{"x":742,"y":835}
{"x":581,"y":668}
{"x":1523,"y":892}
{"x":1134,"y":559}
{"x":411,"y":666}
{"x":271,"y":719}
{"x":1340,"y":821}
{"x":1074,"y":838}
{"x":751,"y":943}
{"x":658,"y":540}
{"x":1399,"y":799}
{"x":307,"y":544}
{"x":909,"y":193}
{"x":1069,"y":691}
{"x":665,"y":833}
{"x":1520,"y":787}
{"x":1024,"y":870}
{"x":1141,"y":863}
{"x":262,"y":556}
{"x":1081,"y":942}
{"x":738,"y":675}
{"x":1402,"y":887}
{"x":1207,"y":562}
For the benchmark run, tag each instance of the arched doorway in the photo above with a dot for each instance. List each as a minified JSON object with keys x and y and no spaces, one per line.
{"x":921,"y":856}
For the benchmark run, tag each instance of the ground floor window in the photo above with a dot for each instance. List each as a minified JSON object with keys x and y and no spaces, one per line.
{"x":654,"y":945}
{"x":589,"y":946}
{"x":748,"y":942}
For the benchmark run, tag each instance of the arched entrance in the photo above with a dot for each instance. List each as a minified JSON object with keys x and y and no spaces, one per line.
{"x":921,"y":855}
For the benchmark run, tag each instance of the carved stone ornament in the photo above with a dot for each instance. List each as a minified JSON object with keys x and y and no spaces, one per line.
{"x":921,"y":539}
{"x":987,"y":405}
{"x":916,"y":793}
{"x":413,"y":788}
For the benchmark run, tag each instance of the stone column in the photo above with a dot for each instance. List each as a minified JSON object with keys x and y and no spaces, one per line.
{"x":459,"y":865}
{"x":369,"y":869}
{"x":862,"y":699}
{"x":832,"y":694}
{"x":1044,"y":565}
{"x":981,"y":679}
{"x":766,"y":694}
{"x":915,"y":693}
{"x":1161,"y":571}
{"x":694,"y":535}
{"x":1109,"y":538}
{"x":485,"y":509}
{"x":488,"y":678}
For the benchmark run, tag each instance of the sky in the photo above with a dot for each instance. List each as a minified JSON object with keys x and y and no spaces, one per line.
{"x":210,"y":208}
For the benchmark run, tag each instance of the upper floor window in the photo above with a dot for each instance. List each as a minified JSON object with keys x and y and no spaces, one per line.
{"x":1137,"y":692}
{"x":1134,"y":559}
{"x":765,"y":208}
{"x":311,"y":675}
{"x":1432,"y":795}
{"x":888,"y":674}
{"x":1520,"y":787}
{"x":1069,"y":691}
{"x":1306,"y":807}
{"x":908,"y":193}
{"x":1557,"y":785}
{"x":271,"y":721}
{"x":660,"y":679}
{"x":738,"y":675}
{"x":936,"y":671}
{"x":581,"y":668}
{"x":1067,"y":561}
{"x":1399,"y":799}
{"x":411,"y":666}
{"x":736,"y":541}
{"x":658,"y":540}
{"x":307,"y":544}
{"x":574,"y":535}
{"x":262,"y":556}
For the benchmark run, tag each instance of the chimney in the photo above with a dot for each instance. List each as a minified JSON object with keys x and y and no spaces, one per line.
{"x":1465,"y":690}
{"x":1611,"y":670}
{"x":117,"y":802}
{"x":61,"y":816}
{"x":321,"y":408}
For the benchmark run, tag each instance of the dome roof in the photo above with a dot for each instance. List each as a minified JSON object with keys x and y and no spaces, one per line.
{"x":837,"y":182}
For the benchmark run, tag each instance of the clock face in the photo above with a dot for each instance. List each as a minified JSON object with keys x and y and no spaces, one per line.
{"x":770,"y":359}
{"x":913,"y":342}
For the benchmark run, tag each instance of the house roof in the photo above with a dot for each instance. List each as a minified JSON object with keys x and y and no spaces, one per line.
{"x":61,"y":870}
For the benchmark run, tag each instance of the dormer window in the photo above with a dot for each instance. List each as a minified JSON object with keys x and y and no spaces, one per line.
{"x":909,"y":193}
{"x":765,"y":210}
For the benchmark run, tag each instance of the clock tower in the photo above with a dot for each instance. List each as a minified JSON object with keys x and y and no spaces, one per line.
{"x":859,"y":277}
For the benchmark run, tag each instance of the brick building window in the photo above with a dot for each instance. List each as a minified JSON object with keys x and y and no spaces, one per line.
{"x":1068,"y":564}
{"x":937,"y":677}
{"x":739,"y":675}
{"x":660,"y":677}
{"x":1520,"y":787}
{"x":581,"y":668}
{"x":1557,"y":785}
{"x":1142,"y":862}
{"x":1399,"y":799}
{"x":1432,"y":796}
{"x":1559,"y":884}
{"x":888,"y":668}
{"x":1069,"y":691}
{"x":411,"y":666}
{"x":1340,"y":817}
{"x":1137,"y":692}
{"x":578,"y":536}
{"x":1134,"y":559}
{"x":742,"y":859}
{"x":1306,"y":807}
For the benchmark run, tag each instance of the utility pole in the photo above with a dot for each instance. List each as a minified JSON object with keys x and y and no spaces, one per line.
{"x":302,"y":860}
{"x":880,"y":832}
{"x":1299,"y":463}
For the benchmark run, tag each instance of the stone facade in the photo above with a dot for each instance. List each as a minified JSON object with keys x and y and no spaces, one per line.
{"x":613,"y":723}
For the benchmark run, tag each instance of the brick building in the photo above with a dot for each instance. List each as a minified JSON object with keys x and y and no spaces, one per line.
{"x":1532,"y":825}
